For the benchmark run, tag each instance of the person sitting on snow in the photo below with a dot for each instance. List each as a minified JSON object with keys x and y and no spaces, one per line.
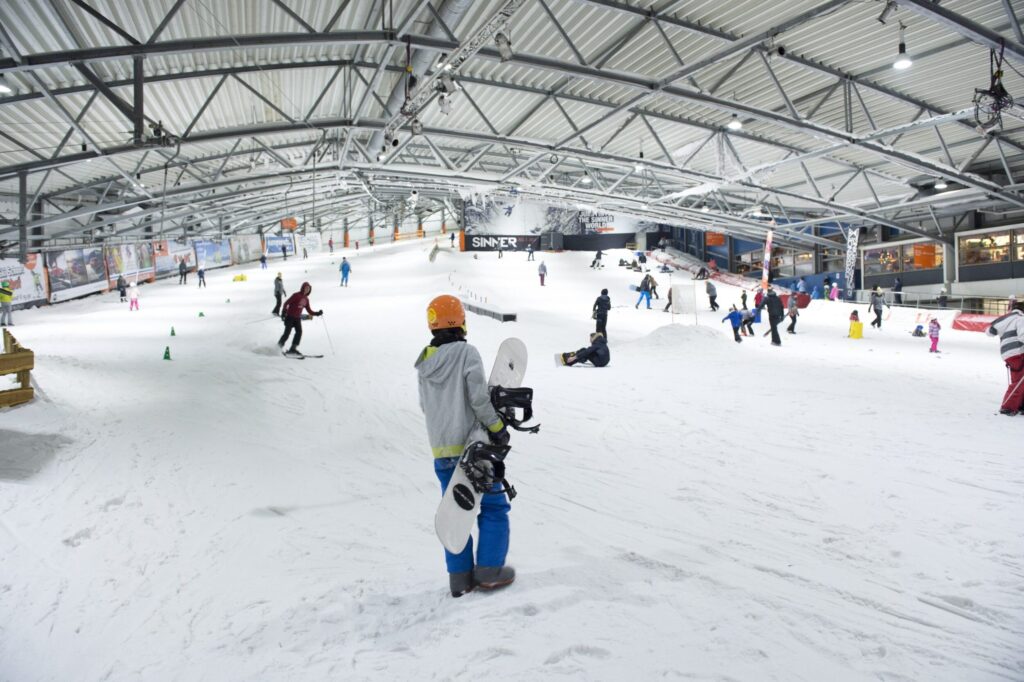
{"x":597,"y":353}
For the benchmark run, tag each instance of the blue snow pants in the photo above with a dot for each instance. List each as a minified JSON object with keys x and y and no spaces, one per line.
{"x":644,"y":295}
{"x":492,"y":520}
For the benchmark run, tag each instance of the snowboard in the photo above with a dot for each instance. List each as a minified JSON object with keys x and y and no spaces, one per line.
{"x":456,"y":515}
{"x":299,"y":356}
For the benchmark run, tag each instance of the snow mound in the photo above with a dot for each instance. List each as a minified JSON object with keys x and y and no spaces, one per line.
{"x":675,"y":336}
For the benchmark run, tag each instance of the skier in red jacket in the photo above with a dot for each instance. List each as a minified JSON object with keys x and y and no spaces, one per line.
{"x":292,"y":313}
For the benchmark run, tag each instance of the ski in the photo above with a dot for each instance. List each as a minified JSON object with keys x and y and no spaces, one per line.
{"x":299,"y":356}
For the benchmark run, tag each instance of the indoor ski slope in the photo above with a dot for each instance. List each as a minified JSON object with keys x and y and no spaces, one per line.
{"x":700,"y":509}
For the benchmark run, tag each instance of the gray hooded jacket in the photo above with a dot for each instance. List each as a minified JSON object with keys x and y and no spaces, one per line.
{"x":454,"y":397}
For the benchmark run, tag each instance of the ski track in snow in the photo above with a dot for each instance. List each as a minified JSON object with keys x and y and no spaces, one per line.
{"x":698,"y":510}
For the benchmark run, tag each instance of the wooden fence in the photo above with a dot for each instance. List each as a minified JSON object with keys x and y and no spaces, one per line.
{"x":19,"y":361}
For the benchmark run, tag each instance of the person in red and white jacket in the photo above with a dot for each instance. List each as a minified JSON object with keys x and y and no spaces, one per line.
{"x":292,"y":313}
{"x":1010,"y":330}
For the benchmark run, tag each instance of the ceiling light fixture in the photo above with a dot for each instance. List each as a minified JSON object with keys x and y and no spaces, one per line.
{"x":5,"y":89}
{"x":504,"y":46}
{"x":639,"y":167}
{"x":586,"y":178}
{"x":416,"y":126}
{"x":735,"y":123}
{"x":940,"y":184}
{"x":705,"y":209}
{"x":903,"y":60}
{"x":446,"y":104}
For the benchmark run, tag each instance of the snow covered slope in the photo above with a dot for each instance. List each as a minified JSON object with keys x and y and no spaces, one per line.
{"x":700,"y":509}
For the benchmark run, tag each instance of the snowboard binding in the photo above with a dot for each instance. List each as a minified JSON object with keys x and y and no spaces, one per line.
{"x":484,"y":466}
{"x":507,"y":400}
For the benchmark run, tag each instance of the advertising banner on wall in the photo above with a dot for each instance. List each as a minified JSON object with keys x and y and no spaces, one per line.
{"x":167,"y":253}
{"x":511,"y":218}
{"x":213,"y":254}
{"x":246,"y":248}
{"x":311,"y":242}
{"x":28,"y":281}
{"x":75,"y":272}
{"x":132,"y":261}
{"x":274,"y":244}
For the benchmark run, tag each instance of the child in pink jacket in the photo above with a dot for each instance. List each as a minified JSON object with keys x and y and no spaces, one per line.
{"x":933,"y":334}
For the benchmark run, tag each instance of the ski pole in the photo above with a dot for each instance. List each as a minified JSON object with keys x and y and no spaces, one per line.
{"x":331,"y":343}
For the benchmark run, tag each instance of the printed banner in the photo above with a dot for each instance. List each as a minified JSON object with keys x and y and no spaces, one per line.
{"x":28,"y":281}
{"x":275,"y":244}
{"x":213,"y":254}
{"x":311,"y":242}
{"x":170,"y":252}
{"x":714,"y":239}
{"x":504,"y":242}
{"x":76,"y":272}
{"x":132,"y":261}
{"x":511,"y":217}
{"x":246,"y":248}
{"x":852,"y":238}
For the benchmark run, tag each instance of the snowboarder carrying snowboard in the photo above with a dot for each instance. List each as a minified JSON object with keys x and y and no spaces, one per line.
{"x":456,"y":402}
{"x":292,"y":313}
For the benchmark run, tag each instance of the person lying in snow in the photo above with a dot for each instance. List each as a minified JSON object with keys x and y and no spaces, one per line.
{"x":596,"y":353}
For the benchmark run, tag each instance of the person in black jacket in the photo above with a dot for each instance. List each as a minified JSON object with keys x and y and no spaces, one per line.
{"x":775,"y":314}
{"x":596,"y":263}
{"x":601,"y":307}
{"x":596,"y":353}
{"x":182,"y":272}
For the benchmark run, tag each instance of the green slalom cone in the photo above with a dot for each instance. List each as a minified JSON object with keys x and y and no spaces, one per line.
{"x":201,"y":314}
{"x":172,"y":332}
{"x":228,"y":301}
{"x":167,"y":352}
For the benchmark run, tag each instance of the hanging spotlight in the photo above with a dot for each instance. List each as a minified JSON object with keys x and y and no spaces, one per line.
{"x":446,"y":104}
{"x":639,"y":167}
{"x":903,"y":60}
{"x":504,"y":46}
{"x":447,"y":84}
{"x":586,"y":178}
{"x":705,"y":209}
{"x":416,"y":126}
{"x":5,"y":89}
{"x":442,"y":63}
{"x":940,"y":184}
{"x":735,"y":123}
{"x":886,"y":11}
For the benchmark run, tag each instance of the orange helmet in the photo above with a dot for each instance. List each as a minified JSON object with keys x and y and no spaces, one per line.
{"x":445,"y":312}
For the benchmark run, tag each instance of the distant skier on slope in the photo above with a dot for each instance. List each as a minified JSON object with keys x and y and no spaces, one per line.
{"x":293,"y":308}
{"x":877,"y":299}
{"x":278,"y":294}
{"x":345,"y":268}
{"x":712,"y":293}
{"x":736,"y":318}
{"x":602,"y":304}
{"x":1010,"y":330}
{"x":597,"y":353}
{"x":456,"y":402}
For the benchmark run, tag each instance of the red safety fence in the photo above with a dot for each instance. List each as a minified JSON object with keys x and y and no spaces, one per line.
{"x":970,"y":322}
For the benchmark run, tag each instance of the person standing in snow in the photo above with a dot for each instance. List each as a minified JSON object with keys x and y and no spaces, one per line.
{"x":596,"y":263}
{"x":1010,"y":330}
{"x":278,"y":295}
{"x":774,"y":305}
{"x":897,"y":291}
{"x":305,"y":254}
{"x":542,"y":270}
{"x":6,"y":296}
{"x":801,"y":286}
{"x":182,"y":272}
{"x":645,"y":292}
{"x":263,"y":261}
{"x":330,"y":244}
{"x":834,"y":294}
{"x":736,"y":318}
{"x":529,"y":251}
{"x":758,"y":297}
{"x":451,"y":240}
{"x":602,"y":304}
{"x":933,"y":334}
{"x":284,"y":251}
{"x":456,"y":402}
{"x":743,"y":298}
{"x":202,"y":275}
{"x":345,"y":268}
{"x":597,"y":353}
{"x":877,"y":299}
{"x":747,"y":324}
{"x":654,"y":287}
{"x":293,"y":308}
{"x":712,"y":293}
{"x":668,"y":306}
{"x":134,"y":296}
{"x":793,"y":313}
{"x":122,"y":288}
{"x":642,"y":257}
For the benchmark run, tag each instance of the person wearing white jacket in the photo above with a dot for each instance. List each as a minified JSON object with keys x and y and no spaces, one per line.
{"x":1010,"y":330}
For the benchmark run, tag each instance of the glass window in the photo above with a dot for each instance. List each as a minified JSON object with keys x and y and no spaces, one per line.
{"x":881,"y":261}
{"x":1018,"y":241}
{"x":982,"y":249}
{"x":924,"y":256}
{"x":804,"y":263}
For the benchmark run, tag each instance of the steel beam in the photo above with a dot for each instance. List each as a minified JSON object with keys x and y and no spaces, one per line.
{"x":969,"y":29}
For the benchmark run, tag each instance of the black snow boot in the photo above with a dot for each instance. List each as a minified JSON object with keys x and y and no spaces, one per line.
{"x":491,"y":577}
{"x":461,"y":583}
